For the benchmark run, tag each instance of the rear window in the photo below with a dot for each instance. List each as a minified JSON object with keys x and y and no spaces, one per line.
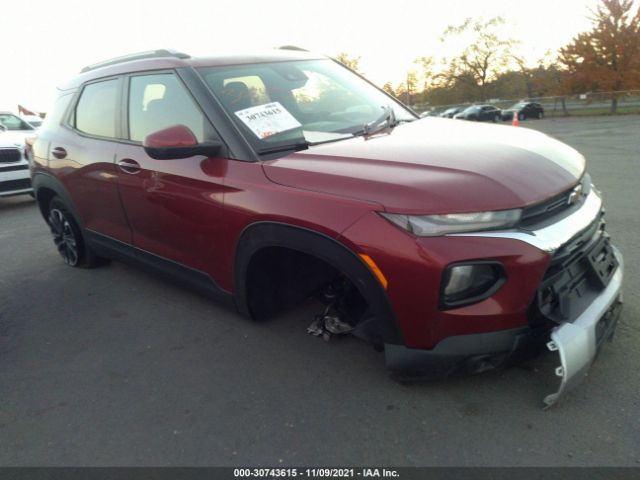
{"x":95,"y":113}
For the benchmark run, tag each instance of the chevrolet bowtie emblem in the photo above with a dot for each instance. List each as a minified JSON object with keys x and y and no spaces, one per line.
{"x":574,"y":195}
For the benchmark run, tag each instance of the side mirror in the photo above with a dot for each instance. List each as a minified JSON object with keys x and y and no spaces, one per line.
{"x":2,"y":128}
{"x":177,"y":141}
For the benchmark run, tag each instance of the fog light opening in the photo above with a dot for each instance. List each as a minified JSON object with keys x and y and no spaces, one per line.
{"x":464,"y":284}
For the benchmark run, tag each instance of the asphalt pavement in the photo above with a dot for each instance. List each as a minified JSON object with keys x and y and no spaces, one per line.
{"x":115,"y":366}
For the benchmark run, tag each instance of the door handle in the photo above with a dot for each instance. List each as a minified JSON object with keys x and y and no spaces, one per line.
{"x":129,"y":166}
{"x":59,"y":153}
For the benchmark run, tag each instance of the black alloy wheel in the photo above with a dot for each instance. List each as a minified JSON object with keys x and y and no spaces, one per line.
{"x":64,"y":237}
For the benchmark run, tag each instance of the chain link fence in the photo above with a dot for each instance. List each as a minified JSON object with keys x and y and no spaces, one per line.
{"x":592,"y":103}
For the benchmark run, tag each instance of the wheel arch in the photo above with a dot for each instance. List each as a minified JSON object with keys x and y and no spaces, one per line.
{"x":45,"y":187}
{"x":267,"y":234}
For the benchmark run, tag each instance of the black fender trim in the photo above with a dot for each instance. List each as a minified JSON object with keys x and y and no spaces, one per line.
{"x":261,"y":235}
{"x":41,"y":180}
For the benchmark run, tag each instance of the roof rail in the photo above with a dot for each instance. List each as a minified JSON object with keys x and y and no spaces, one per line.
{"x":292,"y":47}
{"x":136,"y":56}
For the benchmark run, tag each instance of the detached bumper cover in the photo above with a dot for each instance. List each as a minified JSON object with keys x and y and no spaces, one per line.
{"x":578,"y":342}
{"x":460,"y":354}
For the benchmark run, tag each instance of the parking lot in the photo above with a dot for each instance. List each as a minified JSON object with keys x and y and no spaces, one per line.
{"x":115,"y":366}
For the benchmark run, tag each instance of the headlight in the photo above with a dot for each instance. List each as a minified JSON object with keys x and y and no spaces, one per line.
{"x":435,"y":225}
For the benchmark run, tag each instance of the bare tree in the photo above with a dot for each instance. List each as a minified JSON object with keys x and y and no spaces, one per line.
{"x":388,"y":87}
{"x":411,"y":85}
{"x":352,"y":62}
{"x":426,"y":72}
{"x":483,"y":59}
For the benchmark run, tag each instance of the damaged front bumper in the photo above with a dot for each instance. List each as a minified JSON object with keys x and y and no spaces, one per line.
{"x":575,"y":310}
{"x":579,"y":341}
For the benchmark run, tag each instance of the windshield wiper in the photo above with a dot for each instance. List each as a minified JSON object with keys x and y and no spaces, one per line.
{"x":386,"y":121}
{"x":292,"y":147}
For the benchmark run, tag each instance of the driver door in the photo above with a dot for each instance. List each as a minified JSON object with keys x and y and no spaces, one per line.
{"x":174,"y":207}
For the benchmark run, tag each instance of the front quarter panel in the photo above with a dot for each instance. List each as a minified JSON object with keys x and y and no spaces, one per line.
{"x":413,"y":268}
{"x":250,"y":197}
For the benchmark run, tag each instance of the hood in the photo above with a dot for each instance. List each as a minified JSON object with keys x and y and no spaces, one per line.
{"x":435,"y":165}
{"x":14,"y":138}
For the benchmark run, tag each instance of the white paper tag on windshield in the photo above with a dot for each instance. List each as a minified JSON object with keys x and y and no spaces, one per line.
{"x":268,"y":119}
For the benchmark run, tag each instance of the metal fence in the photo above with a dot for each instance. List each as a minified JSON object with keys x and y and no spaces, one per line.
{"x":592,"y":103}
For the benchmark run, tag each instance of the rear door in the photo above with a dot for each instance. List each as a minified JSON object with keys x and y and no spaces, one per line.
{"x":174,"y":206}
{"x":82,"y":155}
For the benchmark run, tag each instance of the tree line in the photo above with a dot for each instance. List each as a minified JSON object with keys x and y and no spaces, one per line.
{"x":605,"y":58}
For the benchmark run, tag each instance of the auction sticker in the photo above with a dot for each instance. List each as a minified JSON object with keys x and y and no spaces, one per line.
{"x":268,"y":119}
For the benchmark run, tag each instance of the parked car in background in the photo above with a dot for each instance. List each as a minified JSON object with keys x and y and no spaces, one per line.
{"x":13,"y":123}
{"x":450,"y":112}
{"x":14,"y":167}
{"x":523,"y":110}
{"x":267,"y":179}
{"x":479,"y":113}
{"x":430,"y":113}
{"x":34,"y":120}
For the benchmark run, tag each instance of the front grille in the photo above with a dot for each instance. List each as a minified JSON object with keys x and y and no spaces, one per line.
{"x":556,"y":205}
{"x":10,"y":155}
{"x":13,"y":185}
{"x":578,"y":272}
{"x":14,"y":168}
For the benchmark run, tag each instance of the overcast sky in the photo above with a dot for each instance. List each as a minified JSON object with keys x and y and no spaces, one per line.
{"x":44,"y":42}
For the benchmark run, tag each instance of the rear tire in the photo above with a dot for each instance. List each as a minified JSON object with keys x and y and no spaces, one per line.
{"x":540,"y":115}
{"x":68,"y":238}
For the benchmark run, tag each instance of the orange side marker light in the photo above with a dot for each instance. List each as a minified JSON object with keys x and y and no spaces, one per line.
{"x":374,"y":268}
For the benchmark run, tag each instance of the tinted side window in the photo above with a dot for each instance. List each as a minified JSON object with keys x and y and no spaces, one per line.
{"x":95,"y":113}
{"x":160,"y":101}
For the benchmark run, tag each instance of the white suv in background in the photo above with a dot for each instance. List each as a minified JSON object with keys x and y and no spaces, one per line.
{"x":14,"y":167}
{"x":34,"y":120}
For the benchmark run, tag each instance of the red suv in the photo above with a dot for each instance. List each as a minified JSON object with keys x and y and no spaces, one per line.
{"x":266,"y":179}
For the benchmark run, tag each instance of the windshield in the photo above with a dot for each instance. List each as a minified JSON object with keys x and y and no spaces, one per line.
{"x":12,"y":122}
{"x":34,"y":122}
{"x":474,"y":108}
{"x":519,"y":105}
{"x":310,"y":101}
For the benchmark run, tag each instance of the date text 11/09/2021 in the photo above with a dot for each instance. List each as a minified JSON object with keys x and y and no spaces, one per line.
{"x":315,"y":473}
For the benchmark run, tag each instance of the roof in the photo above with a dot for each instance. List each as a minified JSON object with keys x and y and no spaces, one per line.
{"x":169,"y":59}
